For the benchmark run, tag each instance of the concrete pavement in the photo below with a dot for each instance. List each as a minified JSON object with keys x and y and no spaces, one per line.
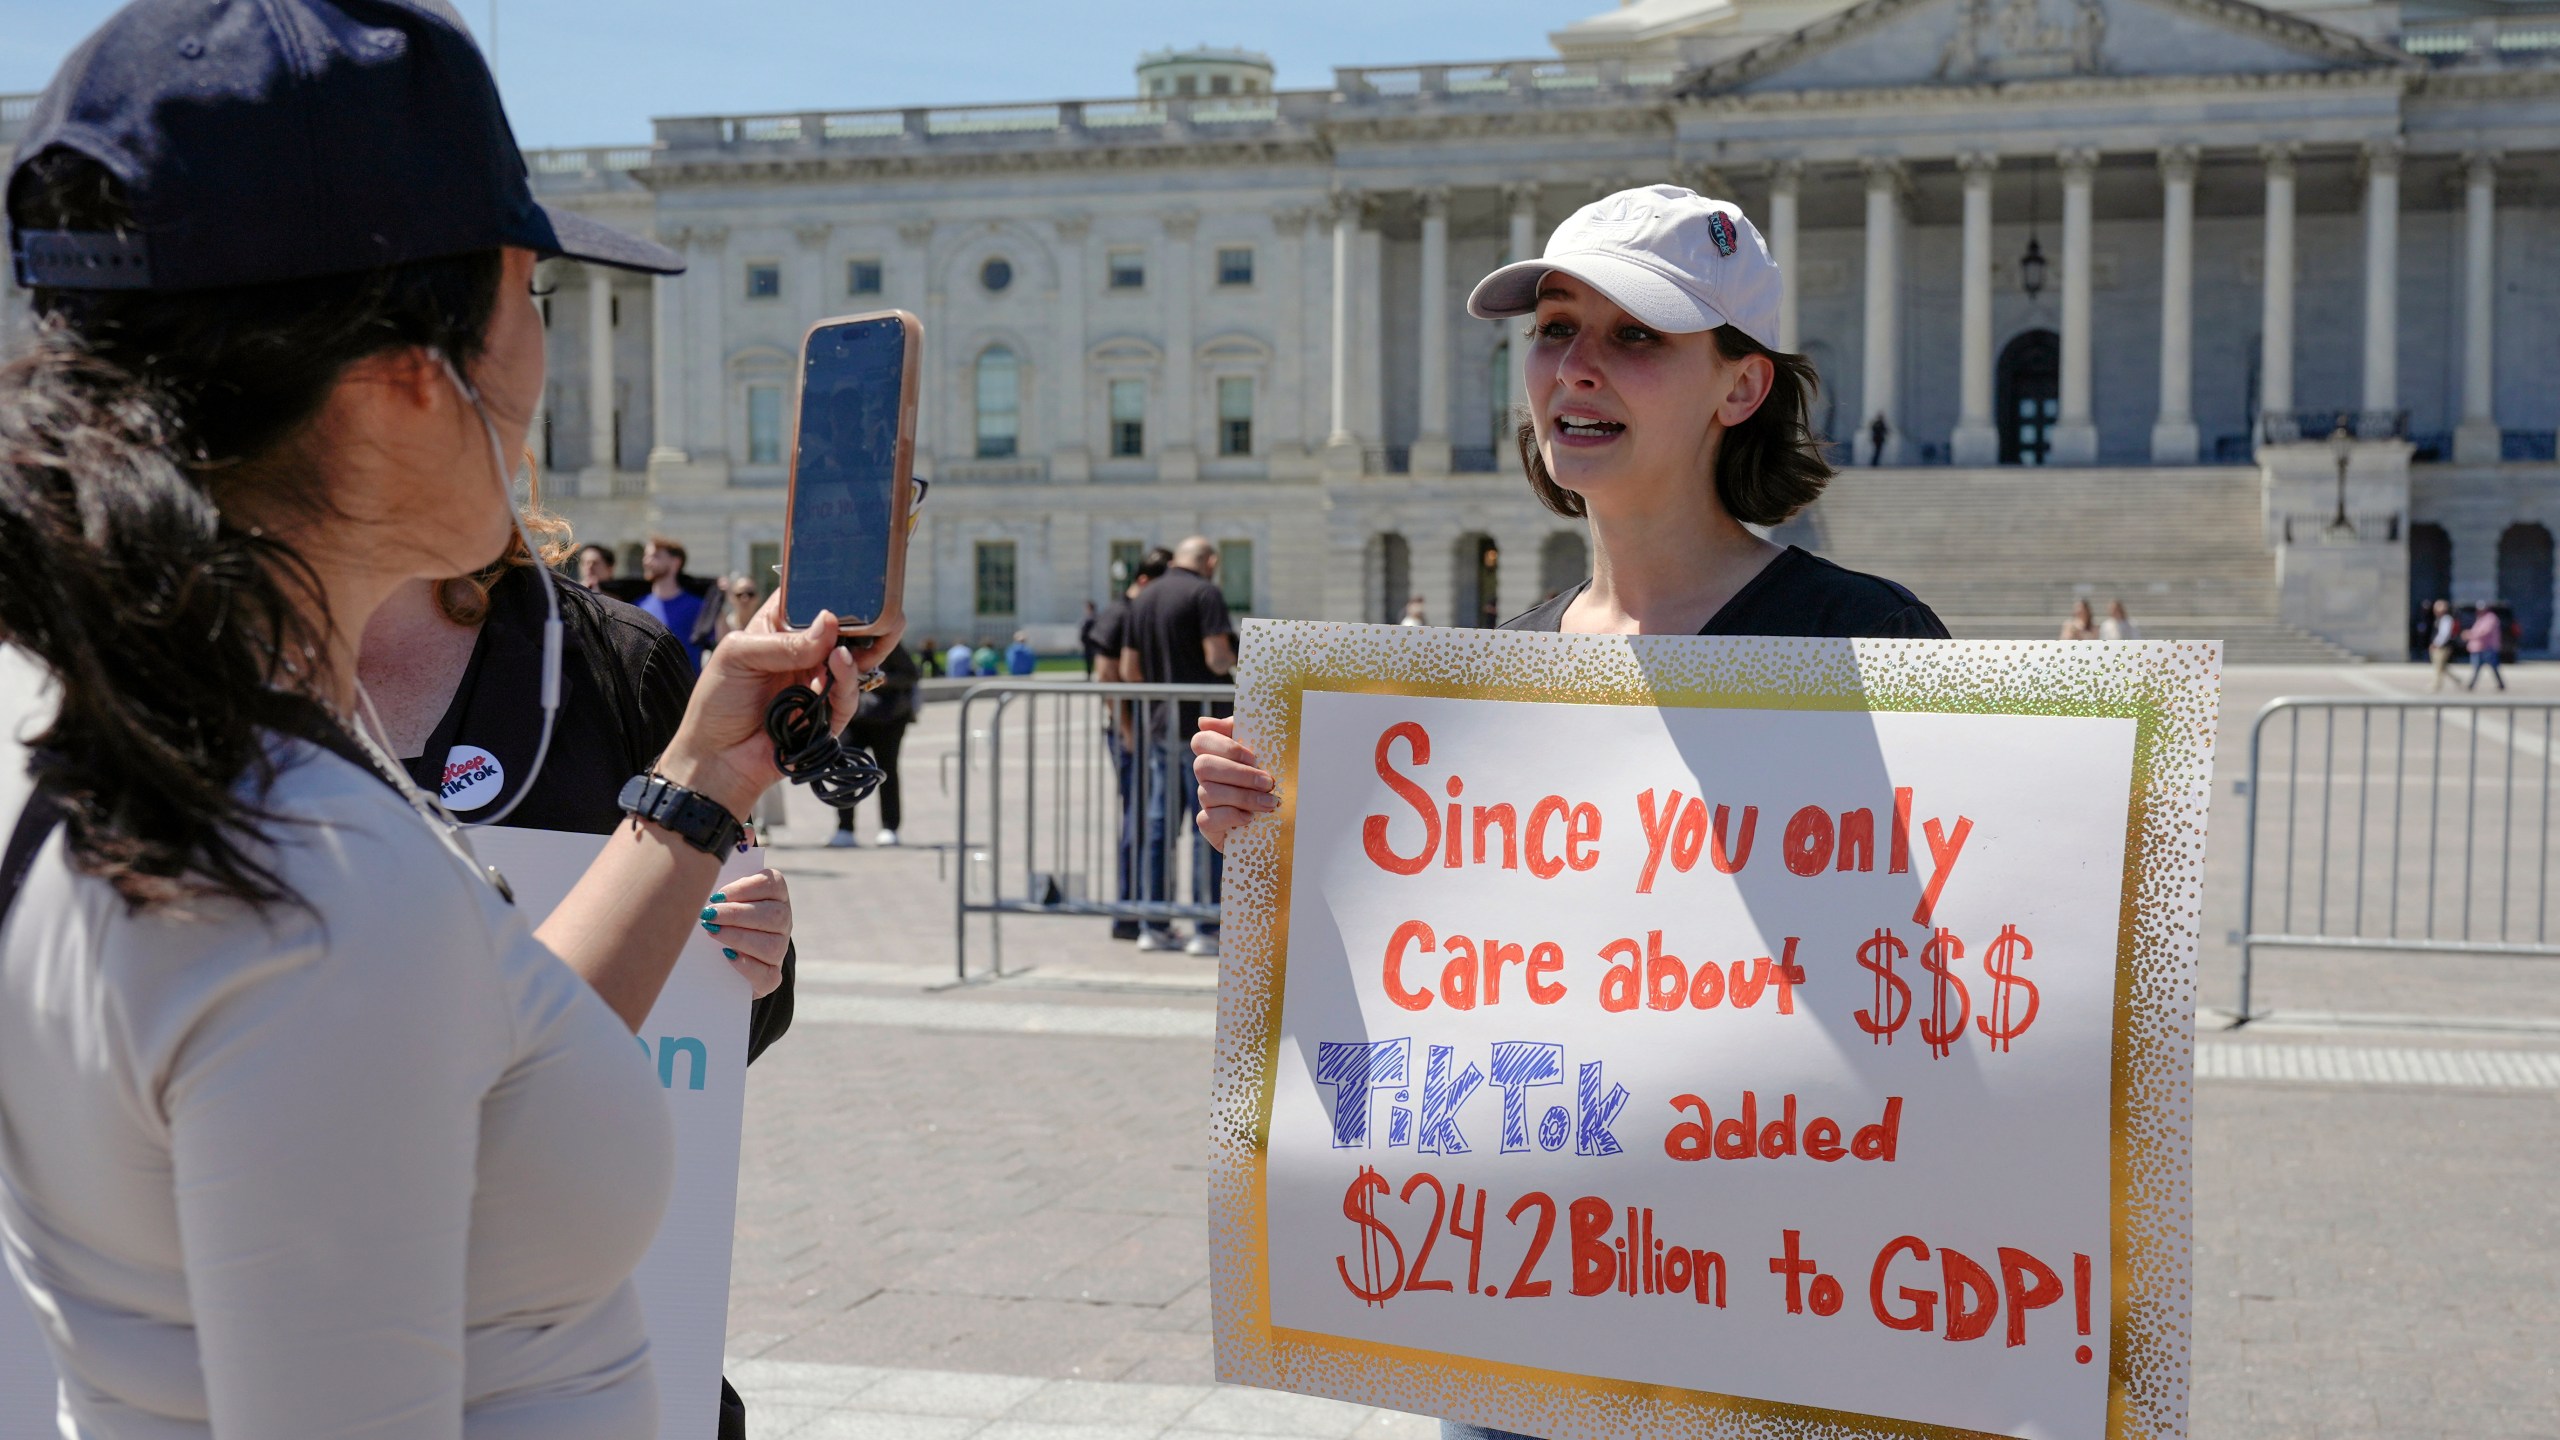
{"x":977,"y":1211}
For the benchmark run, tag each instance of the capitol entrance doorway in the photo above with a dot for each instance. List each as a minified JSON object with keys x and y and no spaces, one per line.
{"x":1478,"y":566}
{"x":2030,"y":397}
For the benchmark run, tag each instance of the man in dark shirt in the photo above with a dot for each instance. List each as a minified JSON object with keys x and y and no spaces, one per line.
{"x":1178,"y":633}
{"x":1104,"y":638}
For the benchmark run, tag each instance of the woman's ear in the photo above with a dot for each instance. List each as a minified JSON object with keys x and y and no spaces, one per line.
{"x":1753,"y":375}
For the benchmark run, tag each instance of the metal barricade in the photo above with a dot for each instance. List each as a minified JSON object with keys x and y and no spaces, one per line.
{"x":1068,"y":793}
{"x":2451,"y":853}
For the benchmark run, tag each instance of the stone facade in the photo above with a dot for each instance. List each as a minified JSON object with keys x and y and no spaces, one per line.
{"x":1243,"y":314}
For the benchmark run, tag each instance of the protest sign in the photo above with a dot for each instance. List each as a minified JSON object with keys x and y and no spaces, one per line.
{"x":696,"y":1041}
{"x":1681,"y":1036}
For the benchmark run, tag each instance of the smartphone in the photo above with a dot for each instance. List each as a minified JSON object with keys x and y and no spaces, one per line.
{"x":844,"y":537}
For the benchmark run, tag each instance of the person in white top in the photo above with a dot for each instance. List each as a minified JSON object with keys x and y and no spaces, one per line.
{"x":303,"y":1132}
{"x":2118,"y":625}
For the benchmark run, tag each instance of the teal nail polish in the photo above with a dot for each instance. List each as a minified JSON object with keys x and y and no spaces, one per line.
{"x":714,"y":929}
{"x":716,"y":899}
{"x":708,"y":913}
{"x":732,"y":954}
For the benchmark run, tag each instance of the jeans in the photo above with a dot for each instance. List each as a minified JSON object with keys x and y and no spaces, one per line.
{"x":2489,"y":659}
{"x":1124,"y":766}
{"x":1168,"y":762}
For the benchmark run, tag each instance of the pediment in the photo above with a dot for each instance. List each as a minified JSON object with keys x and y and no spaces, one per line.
{"x":1886,"y":44}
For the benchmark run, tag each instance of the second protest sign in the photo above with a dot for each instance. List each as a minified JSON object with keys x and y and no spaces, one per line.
{"x":1678,"y":1036}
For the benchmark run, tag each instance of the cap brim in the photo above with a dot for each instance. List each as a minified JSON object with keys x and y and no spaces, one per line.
{"x":1647,"y":294}
{"x":579,"y":238}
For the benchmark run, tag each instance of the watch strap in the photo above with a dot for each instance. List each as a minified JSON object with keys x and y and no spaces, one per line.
{"x":697,"y":819}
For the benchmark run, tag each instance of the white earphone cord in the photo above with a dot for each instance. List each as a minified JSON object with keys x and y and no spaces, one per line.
{"x":551,"y":632}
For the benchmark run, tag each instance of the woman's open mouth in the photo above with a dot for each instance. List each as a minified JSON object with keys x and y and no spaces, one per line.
{"x":1587,"y":430}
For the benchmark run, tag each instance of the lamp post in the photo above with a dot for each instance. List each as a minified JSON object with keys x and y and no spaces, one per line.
{"x":2342,"y":447}
{"x":2031,"y":265}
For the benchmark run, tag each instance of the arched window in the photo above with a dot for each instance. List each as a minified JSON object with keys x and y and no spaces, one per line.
{"x":1564,"y":561}
{"x":2030,"y":391}
{"x":2524,"y":582}
{"x":999,"y":404}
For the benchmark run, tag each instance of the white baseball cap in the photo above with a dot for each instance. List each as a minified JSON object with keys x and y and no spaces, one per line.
{"x":1670,"y":257}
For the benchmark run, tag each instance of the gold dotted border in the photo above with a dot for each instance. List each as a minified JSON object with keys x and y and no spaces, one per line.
{"x":2170,"y":689}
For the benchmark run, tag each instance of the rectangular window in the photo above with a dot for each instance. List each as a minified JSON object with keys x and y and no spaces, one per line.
{"x":764,"y":424}
{"x":1128,"y":269}
{"x":862,"y":277}
{"x":1125,"y":555}
{"x":999,"y":404}
{"x":1235,"y":265}
{"x":613,"y":309}
{"x":1235,"y":574}
{"x":1128,"y":417}
{"x":995,"y":577}
{"x":764,"y":280}
{"x":764,"y":560}
{"x":1235,"y":415}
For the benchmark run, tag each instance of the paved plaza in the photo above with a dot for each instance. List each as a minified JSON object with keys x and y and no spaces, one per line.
{"x":978,"y":1211}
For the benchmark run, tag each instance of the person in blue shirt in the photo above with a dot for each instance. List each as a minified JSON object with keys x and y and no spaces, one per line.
{"x":1018,"y":657}
{"x":686,"y":609}
{"x":959,"y":662}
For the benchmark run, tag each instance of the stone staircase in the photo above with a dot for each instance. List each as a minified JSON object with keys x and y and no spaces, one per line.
{"x":2002,"y":553}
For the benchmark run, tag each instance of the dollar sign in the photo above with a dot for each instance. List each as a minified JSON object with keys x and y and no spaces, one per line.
{"x":1935,"y":1029}
{"x":1893,"y":993}
{"x":1999,"y":1020}
{"x":1356,"y":1202}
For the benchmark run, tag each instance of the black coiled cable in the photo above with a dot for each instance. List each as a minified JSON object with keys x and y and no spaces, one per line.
{"x":809,"y":752}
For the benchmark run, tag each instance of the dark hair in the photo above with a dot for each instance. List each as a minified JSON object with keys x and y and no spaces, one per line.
{"x":675,"y":548}
{"x":1767,"y":468}
{"x":1155,"y":562}
{"x":606,"y":551}
{"x":151,"y":448}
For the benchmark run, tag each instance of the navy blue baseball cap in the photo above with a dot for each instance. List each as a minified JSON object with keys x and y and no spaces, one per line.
{"x":259,"y":141}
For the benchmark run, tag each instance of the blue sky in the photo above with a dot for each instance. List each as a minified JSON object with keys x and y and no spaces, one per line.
{"x":593,"y":71}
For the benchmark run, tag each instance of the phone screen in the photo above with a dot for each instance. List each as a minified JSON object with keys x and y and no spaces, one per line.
{"x":845,"y":471}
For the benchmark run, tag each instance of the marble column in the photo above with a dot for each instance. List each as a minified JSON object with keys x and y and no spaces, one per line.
{"x":2174,"y":440}
{"x":2382,"y":276}
{"x":1431,"y":438}
{"x":709,"y":279}
{"x":915,"y":278}
{"x":2075,"y":432}
{"x":1525,"y":244}
{"x":598,"y":479}
{"x":1786,"y":178}
{"x":1178,"y":458}
{"x":1977,"y":440}
{"x":2476,"y":440}
{"x":1341,"y":447}
{"x":1880,"y":388}
{"x":1277,"y":419}
{"x":1069,"y":457}
{"x":2275,"y":315}
{"x":668,"y":400}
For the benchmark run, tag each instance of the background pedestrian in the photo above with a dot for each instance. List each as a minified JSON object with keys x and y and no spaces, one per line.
{"x":2485,"y":638}
{"x":2118,"y":625}
{"x":2442,"y":635}
{"x":1179,"y":634}
{"x":880,"y":726}
{"x":2082,"y":625}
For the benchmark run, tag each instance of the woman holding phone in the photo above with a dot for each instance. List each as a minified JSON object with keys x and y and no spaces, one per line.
{"x":1663,"y":414}
{"x":308,"y":1133}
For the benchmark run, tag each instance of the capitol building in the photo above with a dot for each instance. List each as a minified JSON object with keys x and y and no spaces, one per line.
{"x":2248,"y":315}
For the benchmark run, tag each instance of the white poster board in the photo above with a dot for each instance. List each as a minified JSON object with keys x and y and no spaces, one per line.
{"x":1744,"y":1020}
{"x":696,"y":1036}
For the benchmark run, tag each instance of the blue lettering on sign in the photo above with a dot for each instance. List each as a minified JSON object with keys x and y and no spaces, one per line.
{"x":1356,"y":1071}
{"x":671,"y":1046}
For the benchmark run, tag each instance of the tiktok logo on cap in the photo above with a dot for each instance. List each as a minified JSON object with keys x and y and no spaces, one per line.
{"x":472,"y":778}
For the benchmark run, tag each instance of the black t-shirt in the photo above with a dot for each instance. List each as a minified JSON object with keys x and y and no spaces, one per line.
{"x":1798,"y":593}
{"x":1109,"y":630}
{"x":1167,"y":624}
{"x":624,"y":683}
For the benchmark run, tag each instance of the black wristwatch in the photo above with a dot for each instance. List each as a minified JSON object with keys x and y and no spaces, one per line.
{"x":700,"y":821}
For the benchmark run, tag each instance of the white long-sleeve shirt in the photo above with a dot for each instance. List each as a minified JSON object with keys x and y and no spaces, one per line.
{"x":382,"y":1169}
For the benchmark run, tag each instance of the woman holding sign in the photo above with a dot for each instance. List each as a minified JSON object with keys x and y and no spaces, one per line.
{"x":309,"y":1134}
{"x":1663,"y":413}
